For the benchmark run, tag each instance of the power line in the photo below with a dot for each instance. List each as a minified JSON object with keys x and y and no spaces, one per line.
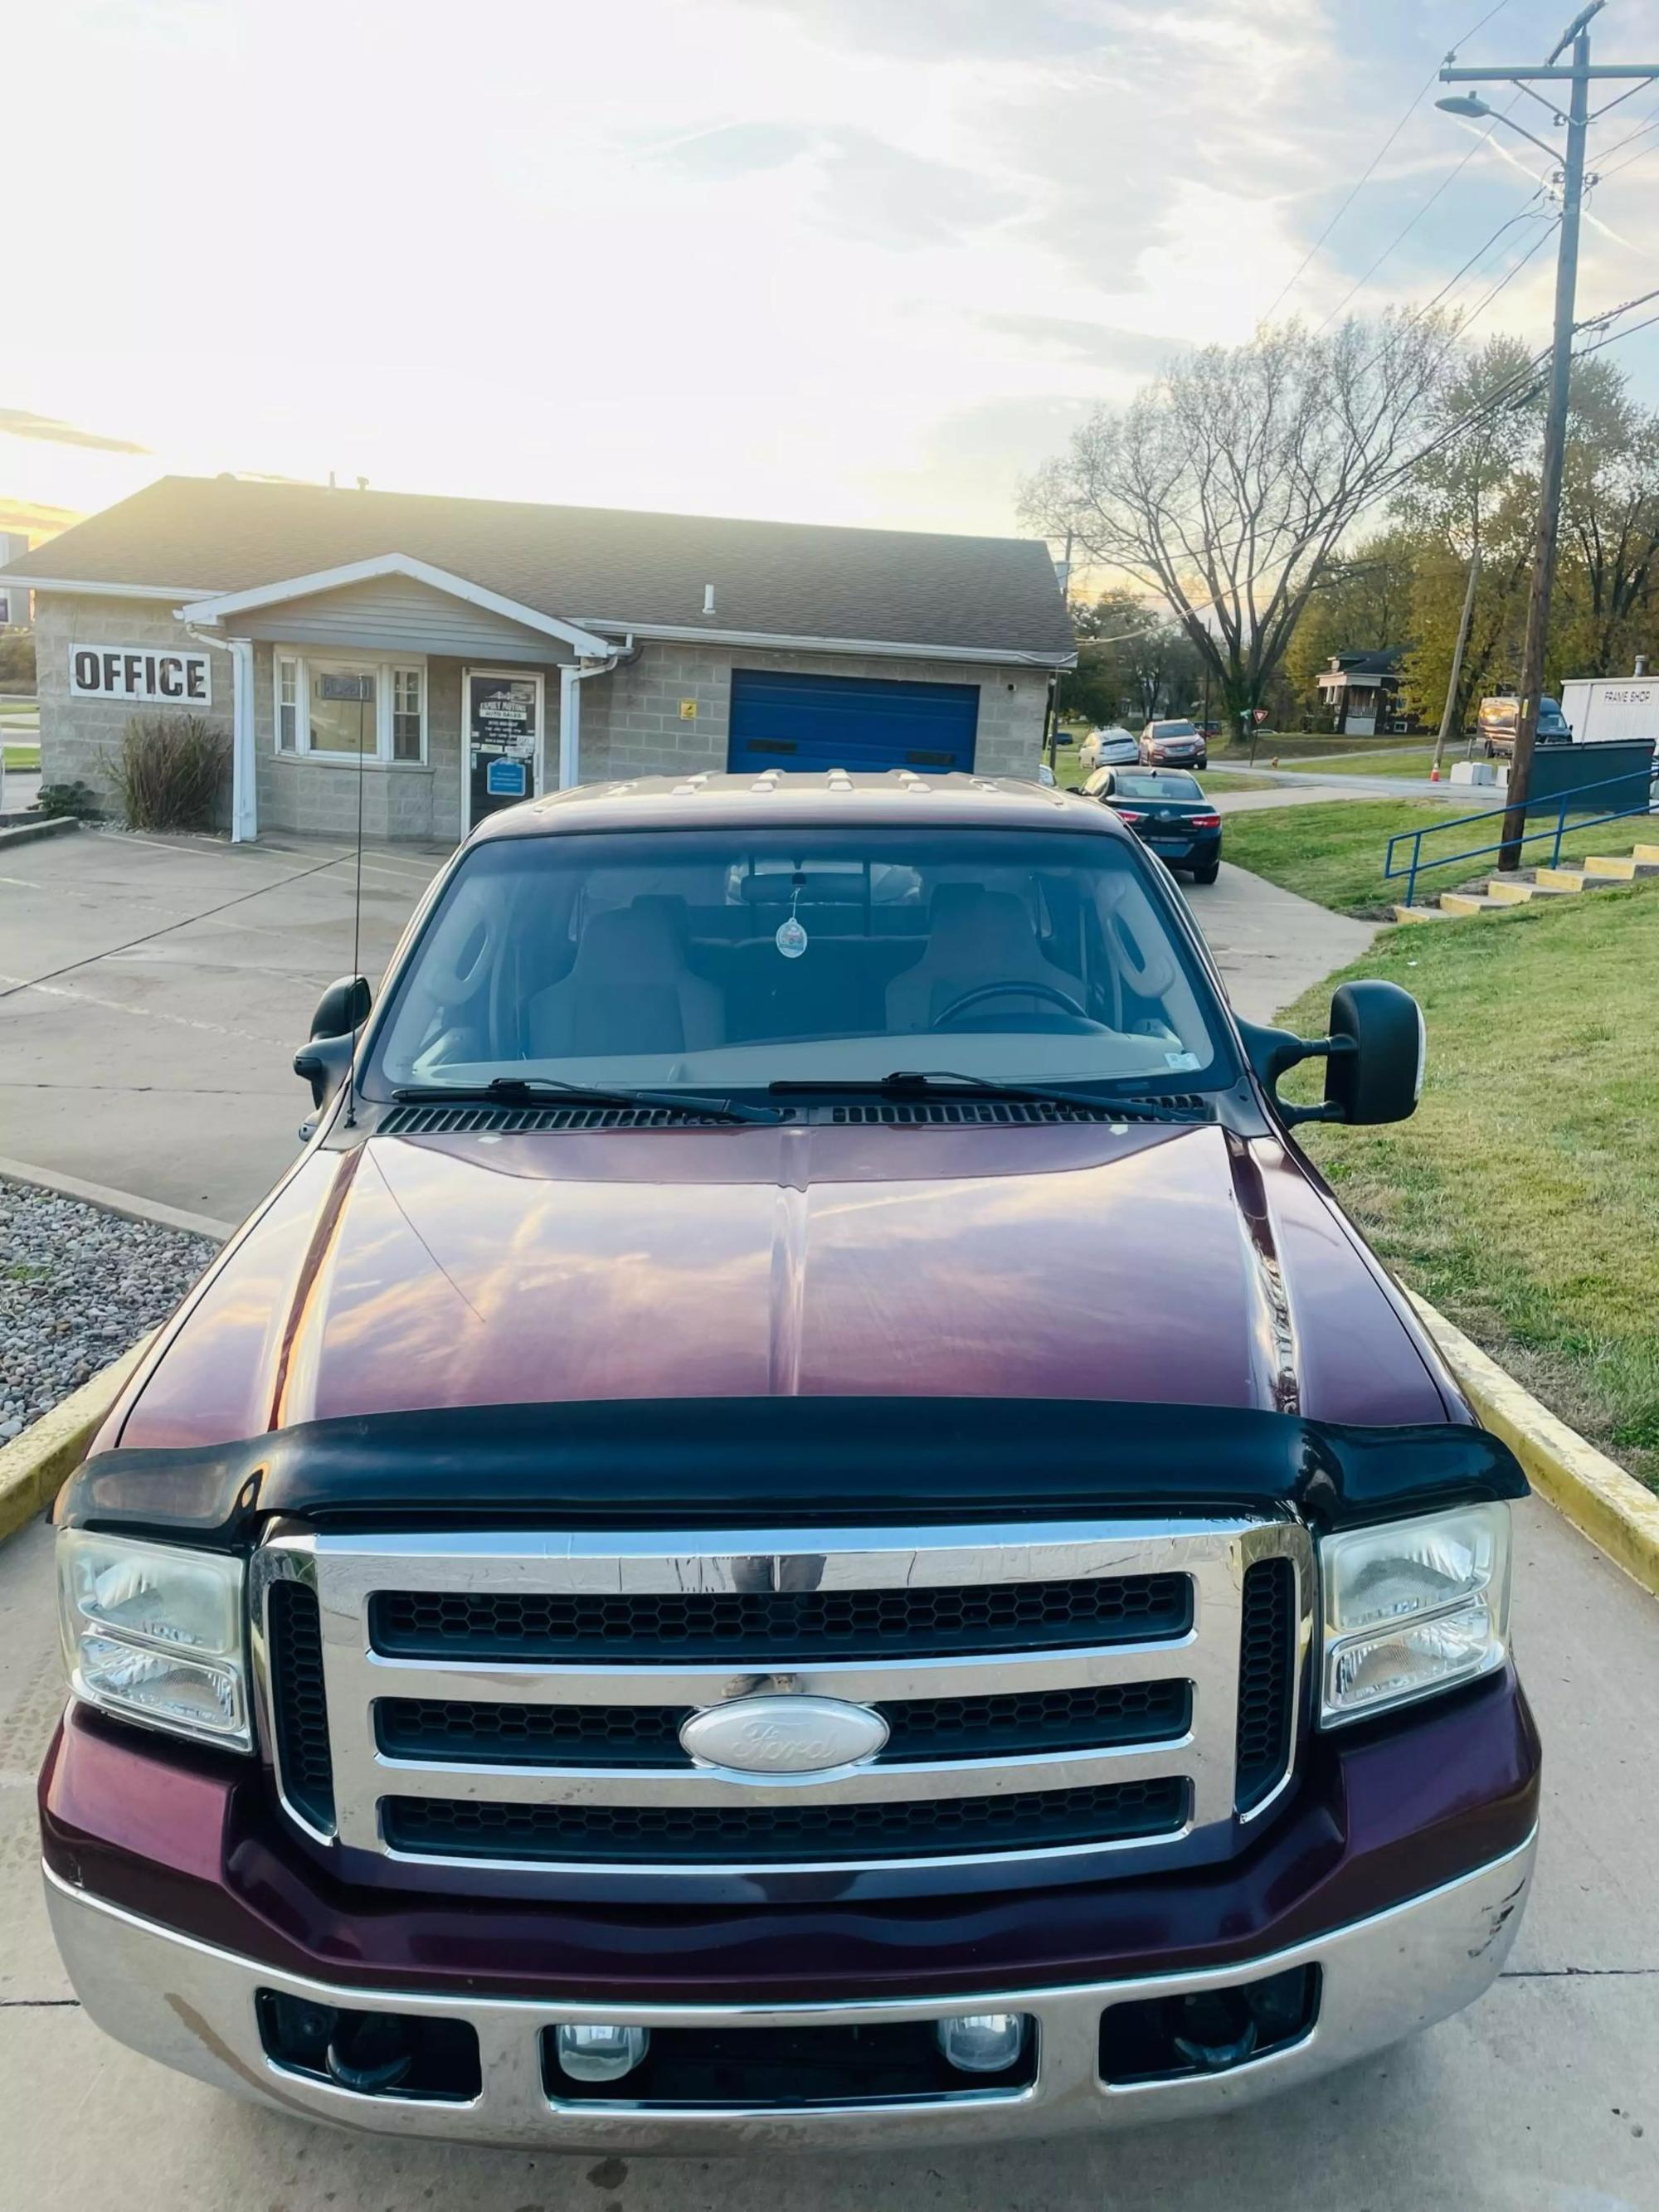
{"x":1401,"y":235}
{"x":1373,"y":164}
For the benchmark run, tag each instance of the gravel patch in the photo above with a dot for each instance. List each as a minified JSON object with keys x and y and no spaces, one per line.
{"x":78,"y":1285}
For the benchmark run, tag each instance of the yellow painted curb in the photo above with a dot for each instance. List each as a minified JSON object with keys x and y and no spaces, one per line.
{"x":1618,"y":1515}
{"x":34,"y":1466}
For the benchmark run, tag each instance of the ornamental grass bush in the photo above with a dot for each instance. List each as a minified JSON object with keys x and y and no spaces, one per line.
{"x":170,"y":770}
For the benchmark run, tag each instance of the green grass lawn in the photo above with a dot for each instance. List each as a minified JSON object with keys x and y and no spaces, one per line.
{"x":1224,"y":779}
{"x":1333,"y":853}
{"x":1522,"y":1198}
{"x":22,"y":756}
{"x":1396,"y":760}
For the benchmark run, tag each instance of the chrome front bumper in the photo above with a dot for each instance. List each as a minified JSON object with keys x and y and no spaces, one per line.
{"x":193,"y":2006}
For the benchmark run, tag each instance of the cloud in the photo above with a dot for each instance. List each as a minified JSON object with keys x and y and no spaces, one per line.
{"x":1097,"y":345}
{"x":948,"y":29}
{"x":22,"y":423}
{"x":33,"y":521}
{"x":737,"y":150}
{"x":878,"y":193}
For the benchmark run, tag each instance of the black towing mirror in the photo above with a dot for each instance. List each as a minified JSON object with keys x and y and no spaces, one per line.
{"x":1373,"y":1057}
{"x":341,"y":1013}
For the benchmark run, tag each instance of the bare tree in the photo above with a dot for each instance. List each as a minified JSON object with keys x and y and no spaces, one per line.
{"x":1228,"y":483}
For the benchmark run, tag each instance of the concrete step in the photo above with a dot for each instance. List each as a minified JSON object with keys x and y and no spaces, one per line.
{"x":1520,"y":890}
{"x":1468,"y":902}
{"x":1560,"y":879}
{"x":1619,"y":867}
{"x":1647,"y":853}
{"x":1420,"y":914}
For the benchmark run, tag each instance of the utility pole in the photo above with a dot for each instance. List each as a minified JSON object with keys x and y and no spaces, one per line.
{"x":1579,"y":77}
{"x":1064,"y":569}
{"x":1457,"y":667}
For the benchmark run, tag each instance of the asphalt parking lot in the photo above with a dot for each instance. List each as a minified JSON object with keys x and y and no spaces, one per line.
{"x":158,"y":974}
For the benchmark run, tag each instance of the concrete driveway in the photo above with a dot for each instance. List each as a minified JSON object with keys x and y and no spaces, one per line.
{"x":1543,"y":2097}
{"x":153,"y":992}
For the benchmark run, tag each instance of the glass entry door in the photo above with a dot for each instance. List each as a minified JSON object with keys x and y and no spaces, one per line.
{"x":501,"y":739}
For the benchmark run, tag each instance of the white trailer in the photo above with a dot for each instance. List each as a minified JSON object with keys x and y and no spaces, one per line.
{"x":1605,"y":709}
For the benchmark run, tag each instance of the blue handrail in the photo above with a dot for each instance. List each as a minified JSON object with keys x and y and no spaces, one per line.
{"x":1566,"y":803}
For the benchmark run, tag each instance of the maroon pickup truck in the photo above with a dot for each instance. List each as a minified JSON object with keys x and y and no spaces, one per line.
{"x":802,"y":1523}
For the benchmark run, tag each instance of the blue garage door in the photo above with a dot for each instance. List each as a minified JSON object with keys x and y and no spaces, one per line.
{"x":849,"y":722}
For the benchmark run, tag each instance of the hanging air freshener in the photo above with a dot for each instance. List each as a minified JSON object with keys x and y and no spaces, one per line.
{"x":792,"y":939}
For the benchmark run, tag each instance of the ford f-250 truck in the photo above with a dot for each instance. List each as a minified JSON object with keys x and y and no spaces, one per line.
{"x":801,"y":1522}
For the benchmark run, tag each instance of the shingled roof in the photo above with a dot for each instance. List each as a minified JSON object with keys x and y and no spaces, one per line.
{"x":600,"y":567}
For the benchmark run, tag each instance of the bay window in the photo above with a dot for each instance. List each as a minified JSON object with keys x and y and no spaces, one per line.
{"x":346,"y":708}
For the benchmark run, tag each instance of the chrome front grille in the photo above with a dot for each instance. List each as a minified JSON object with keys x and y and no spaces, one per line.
{"x":516,"y":1699}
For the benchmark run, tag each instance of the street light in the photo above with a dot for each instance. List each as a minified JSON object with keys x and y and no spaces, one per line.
{"x":1471,"y":105}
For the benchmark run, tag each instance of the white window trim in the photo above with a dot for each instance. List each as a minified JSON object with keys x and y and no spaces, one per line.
{"x":382,"y":668}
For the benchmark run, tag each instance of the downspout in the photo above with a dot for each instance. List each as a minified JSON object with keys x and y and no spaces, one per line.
{"x":244,"y":771}
{"x":572,"y":673}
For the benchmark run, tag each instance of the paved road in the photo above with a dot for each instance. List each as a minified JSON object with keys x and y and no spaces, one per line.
{"x":1544,"y":2098}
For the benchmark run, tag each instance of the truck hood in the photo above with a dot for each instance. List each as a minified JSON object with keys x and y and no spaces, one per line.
{"x":1179,"y":1265}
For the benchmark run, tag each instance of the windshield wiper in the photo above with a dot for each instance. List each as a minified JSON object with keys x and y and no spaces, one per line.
{"x":506,"y":1089}
{"x":909,"y":1082}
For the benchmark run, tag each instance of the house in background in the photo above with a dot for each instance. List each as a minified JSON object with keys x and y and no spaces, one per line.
{"x":1362,"y":692}
{"x":454,"y":656}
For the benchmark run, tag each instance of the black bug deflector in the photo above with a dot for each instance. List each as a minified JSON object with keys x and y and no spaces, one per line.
{"x":709,"y":1461}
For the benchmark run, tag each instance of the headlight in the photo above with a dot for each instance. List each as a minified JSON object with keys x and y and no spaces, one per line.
{"x":1411,"y":1608}
{"x":155,"y":1634}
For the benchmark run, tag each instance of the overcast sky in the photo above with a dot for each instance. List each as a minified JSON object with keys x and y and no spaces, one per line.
{"x":836,"y":260}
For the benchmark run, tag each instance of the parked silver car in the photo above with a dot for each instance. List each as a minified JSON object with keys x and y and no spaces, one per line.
{"x":1111,"y":746}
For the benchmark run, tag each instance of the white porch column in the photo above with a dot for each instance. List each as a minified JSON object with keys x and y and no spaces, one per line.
{"x":244,"y":763}
{"x":570,"y":724}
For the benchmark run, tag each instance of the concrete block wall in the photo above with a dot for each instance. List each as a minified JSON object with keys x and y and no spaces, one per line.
{"x":631,"y":723}
{"x":78,"y":736}
{"x":317,"y":798}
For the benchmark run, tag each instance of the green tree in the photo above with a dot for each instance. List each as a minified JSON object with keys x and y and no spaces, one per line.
{"x":1605,"y":608}
{"x":1476,"y":488}
{"x":1362,"y":604}
{"x":1133,"y":662}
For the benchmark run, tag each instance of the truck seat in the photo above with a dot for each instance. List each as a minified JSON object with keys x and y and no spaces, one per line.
{"x":629,"y":991}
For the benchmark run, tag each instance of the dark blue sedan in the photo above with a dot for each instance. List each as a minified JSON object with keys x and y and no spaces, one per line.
{"x":1168,"y":812}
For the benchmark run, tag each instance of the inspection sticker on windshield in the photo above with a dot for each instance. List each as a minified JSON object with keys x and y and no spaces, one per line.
{"x":790,"y":938}
{"x":1181,"y":1063}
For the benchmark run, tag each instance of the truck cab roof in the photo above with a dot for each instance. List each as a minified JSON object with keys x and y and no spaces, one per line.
{"x":710,"y":800}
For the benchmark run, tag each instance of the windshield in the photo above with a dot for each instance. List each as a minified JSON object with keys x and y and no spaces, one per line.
{"x":732,"y":958}
{"x":1175,"y":729}
{"x":1172,"y":784}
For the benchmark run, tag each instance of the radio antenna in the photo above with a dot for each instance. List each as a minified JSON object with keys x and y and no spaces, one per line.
{"x":350,"y":1122}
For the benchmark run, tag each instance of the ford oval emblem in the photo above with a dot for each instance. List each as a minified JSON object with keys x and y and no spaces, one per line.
{"x":783,"y":1734}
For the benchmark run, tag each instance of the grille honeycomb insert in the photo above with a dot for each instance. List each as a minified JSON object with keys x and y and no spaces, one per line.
{"x":1266,"y":1679}
{"x":1080,"y":1719}
{"x":300,"y":1710}
{"x":750,"y":1626}
{"x":715,"y":1834}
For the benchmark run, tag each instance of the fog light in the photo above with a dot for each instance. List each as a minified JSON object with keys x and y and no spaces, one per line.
{"x":982,"y":2042}
{"x":598,"y":2052}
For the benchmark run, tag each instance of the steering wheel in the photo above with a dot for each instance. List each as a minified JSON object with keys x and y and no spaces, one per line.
{"x":961,"y":1004}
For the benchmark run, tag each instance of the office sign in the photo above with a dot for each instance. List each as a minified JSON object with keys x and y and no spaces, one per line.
{"x":140,"y":673}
